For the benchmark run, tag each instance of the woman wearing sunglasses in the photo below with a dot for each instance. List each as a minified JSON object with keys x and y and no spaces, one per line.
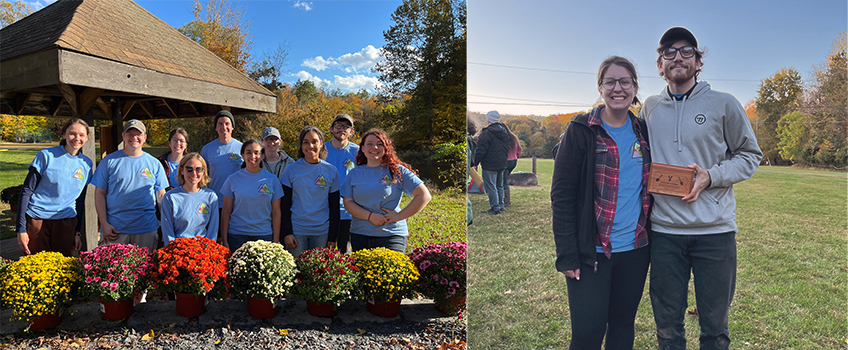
{"x":600,"y":209}
{"x":191,"y":209}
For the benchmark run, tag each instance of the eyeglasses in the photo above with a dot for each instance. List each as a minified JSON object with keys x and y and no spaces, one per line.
{"x":340,"y":126}
{"x":626,"y":83}
{"x":191,"y":170}
{"x":685,"y":52}
{"x":179,"y":141}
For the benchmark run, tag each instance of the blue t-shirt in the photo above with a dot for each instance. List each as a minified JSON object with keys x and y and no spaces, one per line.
{"x":372,"y":188}
{"x":252,"y":194}
{"x":344,"y":160}
{"x":187,"y":214}
{"x":628,"y":206}
{"x":131,"y":184}
{"x":223,"y":159}
{"x":63,"y":178}
{"x":311,"y":186}
{"x":172,"y":180}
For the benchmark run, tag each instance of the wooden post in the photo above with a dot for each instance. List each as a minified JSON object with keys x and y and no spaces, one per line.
{"x":534,"y":164}
{"x":88,"y":231}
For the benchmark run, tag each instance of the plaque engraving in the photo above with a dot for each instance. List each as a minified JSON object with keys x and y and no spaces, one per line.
{"x":670,"y":180}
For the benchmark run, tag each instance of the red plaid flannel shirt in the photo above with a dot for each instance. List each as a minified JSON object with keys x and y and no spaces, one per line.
{"x":606,"y":185}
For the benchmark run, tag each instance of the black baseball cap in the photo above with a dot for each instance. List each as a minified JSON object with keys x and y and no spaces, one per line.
{"x":674,"y":34}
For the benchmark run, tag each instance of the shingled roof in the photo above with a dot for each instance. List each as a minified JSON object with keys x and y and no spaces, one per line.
{"x":118,"y":51}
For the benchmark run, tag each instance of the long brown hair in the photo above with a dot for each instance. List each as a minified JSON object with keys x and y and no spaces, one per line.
{"x":390,"y":159}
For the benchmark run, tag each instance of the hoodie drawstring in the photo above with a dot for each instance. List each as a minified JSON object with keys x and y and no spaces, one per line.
{"x":678,"y":115}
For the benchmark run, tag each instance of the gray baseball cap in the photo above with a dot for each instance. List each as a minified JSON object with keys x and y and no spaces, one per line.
{"x":135,"y":124}
{"x":342,"y":117}
{"x":270,"y":131}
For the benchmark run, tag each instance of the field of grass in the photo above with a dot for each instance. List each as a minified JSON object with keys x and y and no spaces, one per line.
{"x":443,"y":220}
{"x":791,"y":279}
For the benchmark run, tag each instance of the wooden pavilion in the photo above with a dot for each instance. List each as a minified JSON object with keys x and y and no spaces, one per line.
{"x":114,"y":60}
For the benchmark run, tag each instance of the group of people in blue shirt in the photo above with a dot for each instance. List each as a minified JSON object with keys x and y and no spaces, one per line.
{"x":335,"y":193}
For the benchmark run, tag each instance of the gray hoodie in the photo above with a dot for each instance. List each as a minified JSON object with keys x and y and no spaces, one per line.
{"x":711,"y":129}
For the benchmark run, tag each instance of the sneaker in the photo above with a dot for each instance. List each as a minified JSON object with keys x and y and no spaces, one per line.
{"x":491,"y":212}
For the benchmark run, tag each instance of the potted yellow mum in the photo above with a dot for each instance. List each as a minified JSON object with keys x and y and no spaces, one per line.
{"x":39,"y":287}
{"x":387,"y":277}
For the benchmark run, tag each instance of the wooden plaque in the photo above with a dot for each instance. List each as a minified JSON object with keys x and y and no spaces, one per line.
{"x":670,"y":180}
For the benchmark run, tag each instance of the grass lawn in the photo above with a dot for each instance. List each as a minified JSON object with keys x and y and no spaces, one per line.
{"x":791,"y":274}
{"x":443,"y":220}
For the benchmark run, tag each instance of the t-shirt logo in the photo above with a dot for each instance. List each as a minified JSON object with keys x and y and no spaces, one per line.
{"x":78,"y":174}
{"x":264,"y":189}
{"x":320,"y":181}
{"x":146,"y":173}
{"x":233,"y":156}
{"x":387,"y":180}
{"x":203,"y":209}
{"x":348,"y":164}
{"x":637,"y":150}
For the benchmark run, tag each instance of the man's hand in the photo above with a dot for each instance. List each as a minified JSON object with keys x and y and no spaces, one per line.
{"x":575,"y":274}
{"x":290,"y":242}
{"x":702,"y":181}
{"x":109,"y":232}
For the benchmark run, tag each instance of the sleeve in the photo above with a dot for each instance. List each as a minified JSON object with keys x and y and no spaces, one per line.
{"x":745,"y":154}
{"x":565,"y":186}
{"x":80,"y":208}
{"x":335,"y":186}
{"x":278,"y":189}
{"x":161,"y":179}
{"x":227,"y":189}
{"x":346,"y":190}
{"x":30,"y":183}
{"x":212,"y":226}
{"x":482,"y":147}
{"x":100,"y":179}
{"x":409,"y":180}
{"x":335,"y":214}
{"x":167,"y":223}
{"x":285,"y":179}
{"x":285,"y":210}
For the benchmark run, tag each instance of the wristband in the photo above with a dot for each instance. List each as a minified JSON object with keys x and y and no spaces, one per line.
{"x":369,"y":216}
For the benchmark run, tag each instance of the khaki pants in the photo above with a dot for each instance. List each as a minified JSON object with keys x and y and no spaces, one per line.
{"x":147,"y":239}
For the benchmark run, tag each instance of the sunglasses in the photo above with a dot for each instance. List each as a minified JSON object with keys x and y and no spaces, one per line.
{"x":191,"y":170}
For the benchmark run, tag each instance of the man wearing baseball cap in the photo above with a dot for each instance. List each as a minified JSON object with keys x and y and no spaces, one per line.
{"x":274,"y":160}
{"x":128,"y":184}
{"x":691,"y":125}
{"x":341,"y":153}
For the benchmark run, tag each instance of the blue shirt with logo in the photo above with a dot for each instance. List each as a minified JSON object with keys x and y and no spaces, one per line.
{"x":223,"y":159}
{"x":311,"y":186}
{"x":373,"y":188}
{"x":131,"y":184}
{"x":187,"y":214}
{"x":63,"y":178}
{"x":344,"y":160}
{"x":252,"y":194}
{"x":628,"y":206}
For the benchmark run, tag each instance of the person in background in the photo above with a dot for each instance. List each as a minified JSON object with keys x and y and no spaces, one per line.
{"x":252,"y":195}
{"x":178,"y":142}
{"x":470,"y":146}
{"x":511,"y":163}
{"x":190,"y":209}
{"x":223,"y":155}
{"x":492,"y":152}
{"x":372,"y":192}
{"x":601,"y":207}
{"x":129,"y":183}
{"x":311,"y":187}
{"x":274,"y":160}
{"x":51,"y":203}
{"x":341,"y":153}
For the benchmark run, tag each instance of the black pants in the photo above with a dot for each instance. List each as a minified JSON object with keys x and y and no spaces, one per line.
{"x":344,"y":236}
{"x":606,"y":301}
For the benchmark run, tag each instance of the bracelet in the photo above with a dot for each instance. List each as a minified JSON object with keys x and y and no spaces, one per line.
{"x":369,"y":216}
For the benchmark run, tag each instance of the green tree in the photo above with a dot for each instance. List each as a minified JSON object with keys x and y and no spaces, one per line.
{"x":220,"y":27}
{"x":11,"y":12}
{"x":777,"y":95}
{"x":270,"y":69}
{"x":425,"y":58}
{"x":792,"y":131}
{"x":827,"y":107}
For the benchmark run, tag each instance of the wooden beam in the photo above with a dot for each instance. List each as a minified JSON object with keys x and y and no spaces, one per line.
{"x":57,"y":103}
{"x":127,"y":107}
{"x":172,"y":106}
{"x":103,"y":106}
{"x":87,"y":99}
{"x":148,"y":108}
{"x":194,"y":108}
{"x":21,"y":100}
{"x":70,"y":96}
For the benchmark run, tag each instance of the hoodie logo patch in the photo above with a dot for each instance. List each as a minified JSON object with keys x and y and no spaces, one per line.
{"x":320,"y":181}
{"x":203,"y":209}
{"x":700,"y":119}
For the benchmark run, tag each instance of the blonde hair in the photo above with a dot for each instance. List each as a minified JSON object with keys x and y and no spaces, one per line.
{"x":193,"y":155}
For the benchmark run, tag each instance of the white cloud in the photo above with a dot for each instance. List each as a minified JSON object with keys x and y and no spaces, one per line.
{"x":306,"y":6}
{"x":319,"y":63}
{"x":365,"y":58}
{"x":355,"y":82}
{"x":319,"y":83}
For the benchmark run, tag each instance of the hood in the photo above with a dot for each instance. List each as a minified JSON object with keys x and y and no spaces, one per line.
{"x":499,"y":131}
{"x":700,"y":89}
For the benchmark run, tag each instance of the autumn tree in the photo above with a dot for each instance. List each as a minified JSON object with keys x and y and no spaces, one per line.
{"x":269,"y":70}
{"x":792,"y":131}
{"x":827,"y":107}
{"x":220,"y":27}
{"x":777,"y":96}
{"x":11,"y":12}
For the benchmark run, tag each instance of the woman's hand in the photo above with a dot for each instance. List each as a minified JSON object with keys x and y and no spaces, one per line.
{"x":575,"y":274}
{"x":23,"y":242}
{"x":77,"y":242}
{"x":377,"y":219}
{"x":391,"y":215}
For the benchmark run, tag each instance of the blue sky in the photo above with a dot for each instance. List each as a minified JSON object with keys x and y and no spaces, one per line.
{"x":527,"y":53}
{"x":333,"y":43}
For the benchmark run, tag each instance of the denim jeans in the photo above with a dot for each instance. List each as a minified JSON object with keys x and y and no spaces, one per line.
{"x":605,"y":302}
{"x":236,"y":241}
{"x":510,"y":166}
{"x":712,"y":261}
{"x":395,"y":242}
{"x":305,"y":243}
{"x":493,"y":184}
